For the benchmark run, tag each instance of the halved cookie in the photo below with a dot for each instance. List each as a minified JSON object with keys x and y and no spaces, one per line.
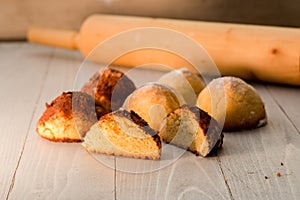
{"x":68,"y":117}
{"x":123,"y":133}
{"x":193,"y":129}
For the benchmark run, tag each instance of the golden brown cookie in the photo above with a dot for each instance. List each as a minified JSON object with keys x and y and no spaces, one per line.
{"x":68,"y":117}
{"x":110,"y":87}
{"x":235,"y":101}
{"x":123,"y":133}
{"x":193,"y":129}
{"x":187,"y":83}
{"x":153,"y":102}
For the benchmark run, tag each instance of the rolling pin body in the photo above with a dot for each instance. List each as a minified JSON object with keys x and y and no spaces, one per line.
{"x":247,"y":51}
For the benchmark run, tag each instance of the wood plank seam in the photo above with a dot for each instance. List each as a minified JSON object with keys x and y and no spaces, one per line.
{"x":226,"y":183}
{"x":237,"y":178}
{"x":282,"y":109}
{"x":29,"y":125}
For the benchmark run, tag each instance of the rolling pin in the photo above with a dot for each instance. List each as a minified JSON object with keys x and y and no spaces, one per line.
{"x":251,"y":52}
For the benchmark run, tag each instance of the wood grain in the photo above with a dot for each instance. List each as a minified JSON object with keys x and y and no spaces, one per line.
{"x":189,"y":177}
{"x":20,"y":90}
{"x":34,"y":168}
{"x":56,"y":170}
{"x":287,"y":99}
{"x":251,"y":159}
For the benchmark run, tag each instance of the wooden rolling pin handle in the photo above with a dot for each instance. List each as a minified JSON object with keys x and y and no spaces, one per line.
{"x":246,"y":51}
{"x":57,"y":38}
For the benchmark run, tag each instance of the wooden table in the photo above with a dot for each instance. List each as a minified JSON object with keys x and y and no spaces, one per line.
{"x":34,"y":168}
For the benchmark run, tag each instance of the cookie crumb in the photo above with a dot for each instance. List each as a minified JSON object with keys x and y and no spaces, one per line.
{"x":266,"y":177}
{"x":278,"y":174}
{"x":281,"y":164}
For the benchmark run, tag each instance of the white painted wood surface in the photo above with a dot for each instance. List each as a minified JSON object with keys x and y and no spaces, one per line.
{"x":34,"y":168}
{"x":251,"y":159}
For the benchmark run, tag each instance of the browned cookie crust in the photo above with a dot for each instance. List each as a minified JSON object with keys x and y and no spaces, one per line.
{"x":110,"y":87}
{"x":123,"y":133}
{"x":68,"y":117}
{"x":141,"y":123}
{"x":193,"y":129}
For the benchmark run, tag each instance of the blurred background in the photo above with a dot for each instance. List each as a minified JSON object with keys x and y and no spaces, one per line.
{"x":17,"y":15}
